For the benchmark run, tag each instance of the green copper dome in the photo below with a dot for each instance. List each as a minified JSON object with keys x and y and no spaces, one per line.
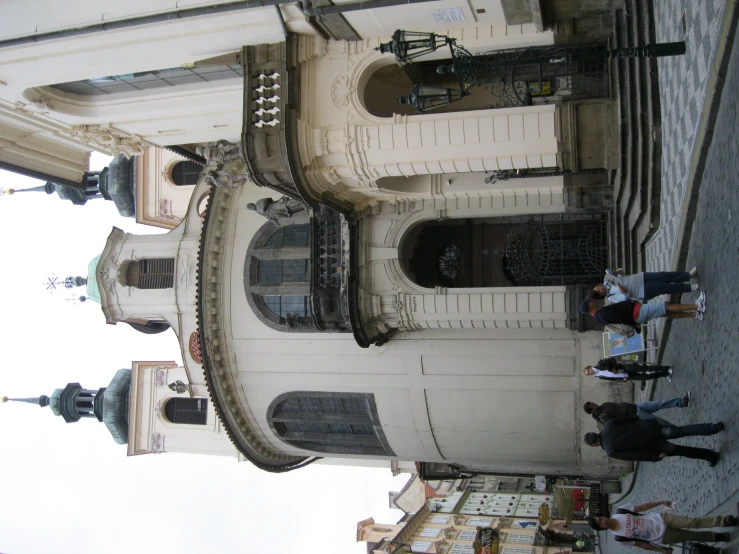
{"x":93,"y":292}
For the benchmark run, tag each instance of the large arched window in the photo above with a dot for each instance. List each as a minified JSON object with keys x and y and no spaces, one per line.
{"x":277,"y":276}
{"x":329,"y":422}
{"x":188,"y":411}
{"x":186,"y":173}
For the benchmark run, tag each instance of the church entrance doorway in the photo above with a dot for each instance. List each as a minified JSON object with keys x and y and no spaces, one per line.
{"x":530,"y":250}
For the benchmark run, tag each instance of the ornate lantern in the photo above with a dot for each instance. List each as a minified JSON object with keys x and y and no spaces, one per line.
{"x":428,"y":97}
{"x":407,"y":45}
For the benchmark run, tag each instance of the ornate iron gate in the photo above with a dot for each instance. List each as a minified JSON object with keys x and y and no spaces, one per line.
{"x":558,"y":249}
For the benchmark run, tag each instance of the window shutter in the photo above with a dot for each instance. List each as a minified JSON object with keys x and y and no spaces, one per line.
{"x":156,"y":273}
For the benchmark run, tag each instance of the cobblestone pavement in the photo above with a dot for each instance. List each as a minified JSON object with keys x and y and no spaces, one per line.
{"x":683,"y":83}
{"x":705,"y":354}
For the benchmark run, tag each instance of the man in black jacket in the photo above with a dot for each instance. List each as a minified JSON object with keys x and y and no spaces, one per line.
{"x":641,"y":410}
{"x":629,"y":438}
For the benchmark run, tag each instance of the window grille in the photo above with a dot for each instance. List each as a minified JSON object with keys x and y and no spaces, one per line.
{"x":430,"y":532}
{"x":421,"y":546}
{"x":292,"y":235}
{"x":186,"y":173}
{"x":281,"y":306}
{"x":440,"y":519}
{"x":189,"y":411}
{"x":282,"y":271}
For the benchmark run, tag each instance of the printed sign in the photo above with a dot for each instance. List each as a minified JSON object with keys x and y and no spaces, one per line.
{"x":449,"y":15}
{"x":486,"y":541}
{"x":618,"y":345}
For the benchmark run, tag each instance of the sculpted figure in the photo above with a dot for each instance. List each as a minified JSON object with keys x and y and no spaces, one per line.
{"x":218,"y":153}
{"x":274,"y":210}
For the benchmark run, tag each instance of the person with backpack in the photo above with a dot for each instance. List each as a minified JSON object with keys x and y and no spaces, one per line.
{"x":636,"y":526}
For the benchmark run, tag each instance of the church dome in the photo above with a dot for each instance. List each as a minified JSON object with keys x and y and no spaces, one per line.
{"x":93,"y":293}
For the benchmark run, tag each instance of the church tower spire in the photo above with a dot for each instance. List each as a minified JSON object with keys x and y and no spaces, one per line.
{"x":107,"y":404}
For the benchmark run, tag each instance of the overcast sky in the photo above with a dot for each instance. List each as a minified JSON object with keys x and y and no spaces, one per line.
{"x":70,"y":487}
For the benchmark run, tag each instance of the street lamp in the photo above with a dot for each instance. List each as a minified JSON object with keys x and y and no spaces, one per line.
{"x":427,"y":97}
{"x":406,"y":45}
{"x":499,"y":65}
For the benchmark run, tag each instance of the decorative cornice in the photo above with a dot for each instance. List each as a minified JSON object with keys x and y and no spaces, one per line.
{"x":109,"y":140}
{"x":224,"y":391}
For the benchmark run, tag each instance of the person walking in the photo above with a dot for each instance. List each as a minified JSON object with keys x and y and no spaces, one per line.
{"x":632,"y":313}
{"x":610,"y":369}
{"x":646,"y":440}
{"x":641,"y":410}
{"x":636,"y":526}
{"x":618,"y":287}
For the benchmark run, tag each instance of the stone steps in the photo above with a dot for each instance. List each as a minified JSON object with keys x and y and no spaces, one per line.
{"x":637,"y":180}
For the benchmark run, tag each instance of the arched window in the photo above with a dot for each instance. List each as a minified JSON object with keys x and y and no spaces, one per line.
{"x":186,"y":173}
{"x":151,"y":273}
{"x":329,"y":422}
{"x":188,"y":411}
{"x":282,"y":306}
{"x":292,"y":235}
{"x":277,"y":276}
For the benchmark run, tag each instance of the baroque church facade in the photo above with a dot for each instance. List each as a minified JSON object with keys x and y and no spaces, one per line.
{"x":351,"y":279}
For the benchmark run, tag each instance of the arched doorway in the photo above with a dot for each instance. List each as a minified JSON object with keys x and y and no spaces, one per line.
{"x":528,"y":250}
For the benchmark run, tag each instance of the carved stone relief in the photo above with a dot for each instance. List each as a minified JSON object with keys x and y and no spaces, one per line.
{"x":341,"y":91}
{"x":39,"y":107}
{"x":108,"y":139}
{"x":225,"y":167}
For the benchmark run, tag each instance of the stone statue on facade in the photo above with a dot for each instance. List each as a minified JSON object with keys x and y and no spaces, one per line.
{"x":224,"y":165}
{"x":275,"y":210}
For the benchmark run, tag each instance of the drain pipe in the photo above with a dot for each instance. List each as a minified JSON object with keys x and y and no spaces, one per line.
{"x":308,"y":9}
{"x":138,"y":21}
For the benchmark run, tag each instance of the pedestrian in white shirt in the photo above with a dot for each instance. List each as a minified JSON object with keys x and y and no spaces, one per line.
{"x":636,"y":526}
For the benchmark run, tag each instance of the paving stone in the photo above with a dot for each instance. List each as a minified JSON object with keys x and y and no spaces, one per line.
{"x":705,"y":354}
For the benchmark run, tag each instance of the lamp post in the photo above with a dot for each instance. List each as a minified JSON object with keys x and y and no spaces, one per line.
{"x":427,"y":97}
{"x":472,"y":70}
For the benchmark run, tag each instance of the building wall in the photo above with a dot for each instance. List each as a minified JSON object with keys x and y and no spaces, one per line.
{"x":159,"y":202}
{"x":149,"y":430}
{"x":390,"y":299}
{"x":498,"y":399}
{"x":454,"y":533}
{"x":360,"y":157}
